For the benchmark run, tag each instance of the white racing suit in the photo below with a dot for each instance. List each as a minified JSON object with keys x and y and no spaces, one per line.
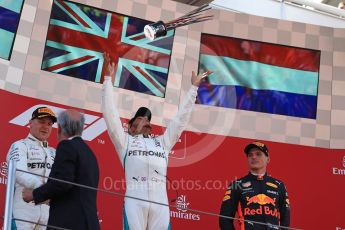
{"x":33,"y":156}
{"x":145,"y":162}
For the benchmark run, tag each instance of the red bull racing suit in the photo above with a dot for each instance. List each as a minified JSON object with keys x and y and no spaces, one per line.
{"x":33,"y":156}
{"x":145,"y":161}
{"x":256,"y":199}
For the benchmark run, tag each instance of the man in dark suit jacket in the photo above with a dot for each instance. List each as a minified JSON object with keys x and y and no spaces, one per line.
{"x":71,"y":207}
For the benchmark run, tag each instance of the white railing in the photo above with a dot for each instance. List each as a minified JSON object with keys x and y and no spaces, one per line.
{"x":11,"y":179}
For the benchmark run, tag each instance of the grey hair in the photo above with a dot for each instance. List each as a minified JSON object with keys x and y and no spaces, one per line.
{"x":71,"y":126}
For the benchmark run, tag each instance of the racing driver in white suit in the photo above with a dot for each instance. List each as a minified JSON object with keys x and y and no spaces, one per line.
{"x":32,"y":154}
{"x":143,"y":157}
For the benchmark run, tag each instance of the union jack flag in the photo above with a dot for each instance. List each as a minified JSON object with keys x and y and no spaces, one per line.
{"x":78,"y":35}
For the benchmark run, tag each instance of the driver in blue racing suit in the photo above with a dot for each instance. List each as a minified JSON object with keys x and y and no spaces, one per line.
{"x":261,"y":201}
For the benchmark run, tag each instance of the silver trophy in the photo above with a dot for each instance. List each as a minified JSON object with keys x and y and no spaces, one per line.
{"x":159,"y":29}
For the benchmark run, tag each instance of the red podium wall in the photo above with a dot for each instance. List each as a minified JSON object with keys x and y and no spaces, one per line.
{"x":201,"y":167}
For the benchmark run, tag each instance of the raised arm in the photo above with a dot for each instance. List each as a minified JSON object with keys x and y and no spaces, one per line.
{"x":110,"y":113}
{"x":179,"y":122}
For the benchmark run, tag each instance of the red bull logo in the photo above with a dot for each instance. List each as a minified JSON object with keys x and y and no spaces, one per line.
{"x":262,"y":210}
{"x":261,"y":199}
